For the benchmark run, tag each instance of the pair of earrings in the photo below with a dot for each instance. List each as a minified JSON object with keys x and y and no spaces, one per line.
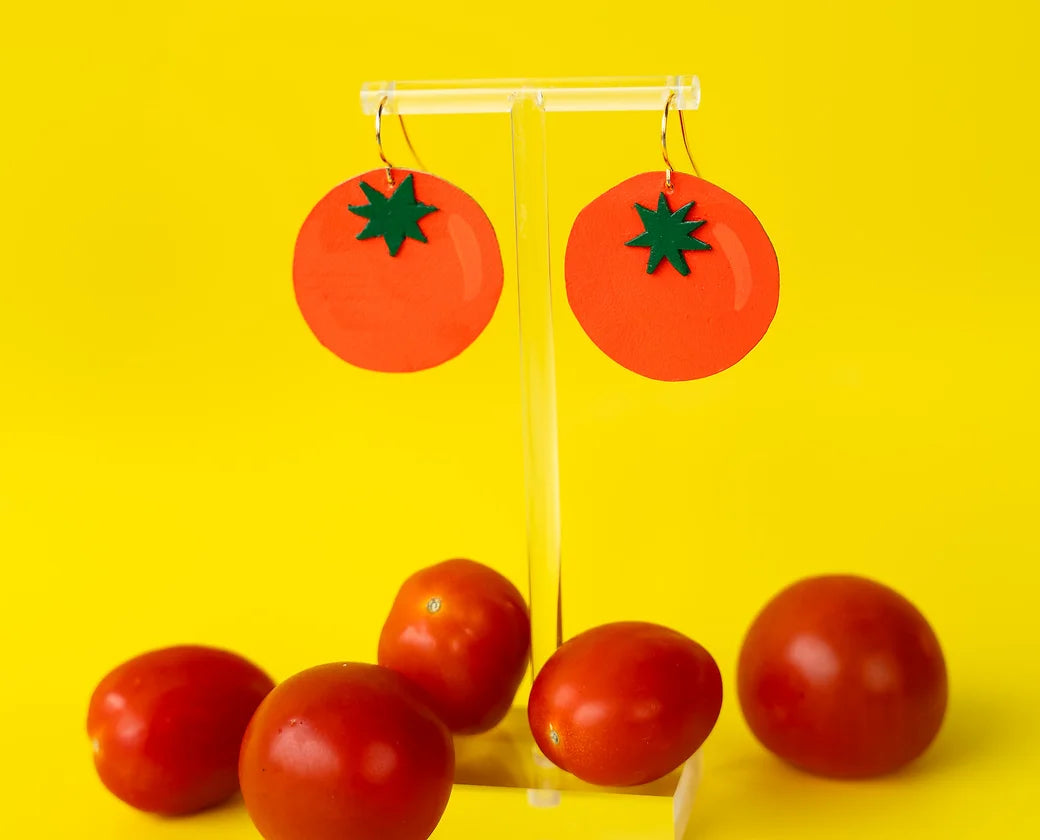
{"x":671,"y":276}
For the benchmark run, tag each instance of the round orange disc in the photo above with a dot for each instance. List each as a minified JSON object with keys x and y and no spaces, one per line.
{"x":671,"y":290}
{"x":397,"y":279}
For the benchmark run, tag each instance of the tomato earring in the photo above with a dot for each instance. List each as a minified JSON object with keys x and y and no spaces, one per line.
{"x":672,"y":277}
{"x":397,"y":270}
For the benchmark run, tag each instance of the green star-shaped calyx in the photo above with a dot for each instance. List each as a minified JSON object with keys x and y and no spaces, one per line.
{"x":394,"y":217}
{"x":667,"y":235}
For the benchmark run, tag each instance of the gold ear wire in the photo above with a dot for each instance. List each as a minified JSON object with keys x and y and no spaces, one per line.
{"x":379,"y":142}
{"x":664,"y":141}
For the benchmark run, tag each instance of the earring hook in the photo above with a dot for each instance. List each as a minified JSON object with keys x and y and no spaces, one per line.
{"x":379,"y":142}
{"x":664,"y":141}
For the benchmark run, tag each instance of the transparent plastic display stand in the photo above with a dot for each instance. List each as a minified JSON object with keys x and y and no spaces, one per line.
{"x":556,"y":805}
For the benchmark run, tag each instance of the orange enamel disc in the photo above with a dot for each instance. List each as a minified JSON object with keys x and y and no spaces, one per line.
{"x":632,"y":298}
{"x":388,"y":301}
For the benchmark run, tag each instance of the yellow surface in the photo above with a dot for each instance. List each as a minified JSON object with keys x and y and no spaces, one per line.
{"x":181,"y":461}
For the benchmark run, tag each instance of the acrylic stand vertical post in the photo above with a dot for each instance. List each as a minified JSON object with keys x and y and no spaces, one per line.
{"x":527,"y":102}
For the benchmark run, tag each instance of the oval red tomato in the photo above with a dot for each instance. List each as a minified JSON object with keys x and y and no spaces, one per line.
{"x":397,"y":278}
{"x":166,"y":727}
{"x":661,"y":299}
{"x":625,"y":703}
{"x":843,"y":677}
{"x":461,"y":632}
{"x":346,"y":751}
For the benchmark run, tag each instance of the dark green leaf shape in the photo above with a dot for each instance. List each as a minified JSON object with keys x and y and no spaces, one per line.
{"x":394,"y":217}
{"x":667,"y":235}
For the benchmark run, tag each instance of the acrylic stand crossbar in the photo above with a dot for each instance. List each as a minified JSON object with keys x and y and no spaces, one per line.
{"x":527,"y":102}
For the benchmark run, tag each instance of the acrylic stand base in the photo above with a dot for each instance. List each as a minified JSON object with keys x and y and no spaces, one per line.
{"x":507,"y":758}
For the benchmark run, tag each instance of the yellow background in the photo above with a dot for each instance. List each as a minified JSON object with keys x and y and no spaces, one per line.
{"x":180,"y":460}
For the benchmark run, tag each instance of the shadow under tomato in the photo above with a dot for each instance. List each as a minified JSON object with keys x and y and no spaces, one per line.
{"x":744,"y":794}
{"x":753,"y":787}
{"x":234,"y":803}
{"x":973,"y":727}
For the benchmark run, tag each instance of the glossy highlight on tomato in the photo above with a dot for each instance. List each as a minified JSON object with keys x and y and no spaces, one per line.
{"x":346,"y":751}
{"x":166,"y":727}
{"x":842,"y":676}
{"x":625,"y":703}
{"x":461,"y":632}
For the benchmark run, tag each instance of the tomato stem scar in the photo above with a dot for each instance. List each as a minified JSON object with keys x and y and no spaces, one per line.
{"x":433,"y":605}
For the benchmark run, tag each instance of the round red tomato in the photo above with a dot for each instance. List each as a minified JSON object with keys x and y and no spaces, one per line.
{"x":346,"y":751}
{"x":841,"y":676}
{"x":397,"y":278}
{"x":166,"y":727}
{"x":673,"y":284}
{"x":625,"y":703}
{"x":461,"y":632}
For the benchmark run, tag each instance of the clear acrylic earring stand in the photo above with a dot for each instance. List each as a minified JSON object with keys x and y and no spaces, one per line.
{"x":557,"y":806}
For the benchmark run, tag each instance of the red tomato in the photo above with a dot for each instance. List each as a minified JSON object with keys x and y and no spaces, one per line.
{"x":167,"y":725}
{"x":346,"y":751}
{"x":625,"y":703}
{"x":842,"y":676}
{"x":461,"y":632}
